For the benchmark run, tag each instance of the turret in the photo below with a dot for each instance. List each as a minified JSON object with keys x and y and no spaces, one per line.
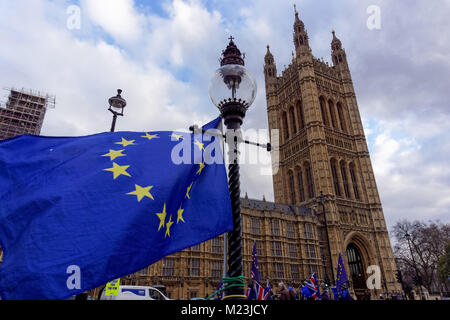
{"x":301,"y":39}
{"x":270,"y":71}
{"x":338,"y":55}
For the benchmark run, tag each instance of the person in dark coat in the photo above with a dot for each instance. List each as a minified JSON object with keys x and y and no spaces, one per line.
{"x":283,"y":292}
{"x":325,"y":295}
{"x":292,"y":293}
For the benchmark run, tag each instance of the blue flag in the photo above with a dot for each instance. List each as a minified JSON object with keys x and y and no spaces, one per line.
{"x":306,"y":292}
{"x":345,"y":295}
{"x":335,"y":293}
{"x":255,"y":267}
{"x":341,"y":276}
{"x":219,"y":294}
{"x":76,"y":213}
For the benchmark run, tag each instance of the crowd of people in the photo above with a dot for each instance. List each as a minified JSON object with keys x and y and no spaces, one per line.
{"x":282,"y":292}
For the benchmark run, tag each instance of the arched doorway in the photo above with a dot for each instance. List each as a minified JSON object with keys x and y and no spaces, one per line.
{"x":357,"y":272}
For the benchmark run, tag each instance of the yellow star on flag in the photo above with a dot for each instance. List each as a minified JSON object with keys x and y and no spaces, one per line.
{"x":113,"y":154}
{"x":189,"y":190}
{"x":168,"y":225}
{"x":180,"y":215}
{"x":177,"y":137}
{"x":150,"y":136}
{"x":162,"y":218}
{"x":200,"y":145}
{"x":202,"y":166}
{"x":118,"y":170}
{"x":126,"y":143}
{"x":142,"y":192}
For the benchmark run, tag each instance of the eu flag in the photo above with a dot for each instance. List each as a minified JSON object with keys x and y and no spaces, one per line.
{"x":78,"y":212}
{"x":255,"y":266}
{"x":341,"y":277}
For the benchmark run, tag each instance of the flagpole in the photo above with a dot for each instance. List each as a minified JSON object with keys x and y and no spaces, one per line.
{"x":225,"y":236}
{"x":233,"y":89}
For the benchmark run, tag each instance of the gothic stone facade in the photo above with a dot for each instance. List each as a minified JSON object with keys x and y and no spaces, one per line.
{"x":322,"y":150}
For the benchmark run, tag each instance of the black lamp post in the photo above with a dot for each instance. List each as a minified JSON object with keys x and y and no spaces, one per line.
{"x":322,"y":200}
{"x":233,"y":90}
{"x":116,"y":106}
{"x":419,"y":280}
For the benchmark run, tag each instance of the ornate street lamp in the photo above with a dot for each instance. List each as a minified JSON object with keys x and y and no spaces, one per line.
{"x":116,"y":106}
{"x":233,"y":90}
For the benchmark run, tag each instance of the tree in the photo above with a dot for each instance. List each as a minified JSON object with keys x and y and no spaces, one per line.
{"x":427,"y":245}
{"x":444,"y":266}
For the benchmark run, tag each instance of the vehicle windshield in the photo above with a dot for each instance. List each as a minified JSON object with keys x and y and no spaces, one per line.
{"x":154,"y":294}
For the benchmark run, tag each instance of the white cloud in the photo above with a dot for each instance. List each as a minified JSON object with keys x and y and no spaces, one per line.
{"x":410,"y":186}
{"x":118,"y":18}
{"x":163,"y":64}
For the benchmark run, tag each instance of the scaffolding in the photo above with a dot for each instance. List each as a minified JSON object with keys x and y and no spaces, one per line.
{"x":24,"y":112}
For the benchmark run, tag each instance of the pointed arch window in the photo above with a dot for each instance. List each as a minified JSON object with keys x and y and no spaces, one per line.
{"x":337,"y":189}
{"x":323,"y":111}
{"x":301,"y":115}
{"x":301,"y":185}
{"x":341,"y":117}
{"x":285,"y":126}
{"x":309,"y":180}
{"x":332,"y":113}
{"x":293,"y":124}
{"x":291,"y":186}
{"x":354,"y":181}
{"x":344,"y":179}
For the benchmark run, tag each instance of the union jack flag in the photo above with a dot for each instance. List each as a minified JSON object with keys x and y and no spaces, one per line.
{"x":313,"y":286}
{"x":267,"y":292}
{"x":255,"y":293}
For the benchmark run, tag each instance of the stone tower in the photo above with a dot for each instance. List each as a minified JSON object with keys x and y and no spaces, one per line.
{"x":323,"y":150}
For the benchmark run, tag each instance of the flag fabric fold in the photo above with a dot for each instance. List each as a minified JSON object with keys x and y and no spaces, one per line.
{"x":341,"y":275}
{"x":78,"y":212}
{"x":267,"y":291}
{"x":313,"y":288}
{"x":255,"y":266}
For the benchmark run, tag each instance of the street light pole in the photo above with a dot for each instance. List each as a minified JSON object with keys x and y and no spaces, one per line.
{"x":322,"y":199}
{"x":233,"y":90}
{"x":419,"y":280}
{"x":116,"y":106}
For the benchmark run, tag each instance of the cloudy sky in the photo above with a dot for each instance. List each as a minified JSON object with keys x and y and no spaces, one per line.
{"x":163,"y":54}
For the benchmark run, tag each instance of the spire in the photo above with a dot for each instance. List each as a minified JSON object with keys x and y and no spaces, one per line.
{"x":270,"y":67}
{"x":298,"y":22}
{"x":338,"y":55}
{"x":269,"y":57}
{"x":336,"y":44}
{"x":301,"y":39}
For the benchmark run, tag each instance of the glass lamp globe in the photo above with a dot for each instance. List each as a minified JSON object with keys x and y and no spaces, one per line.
{"x":232,"y":83}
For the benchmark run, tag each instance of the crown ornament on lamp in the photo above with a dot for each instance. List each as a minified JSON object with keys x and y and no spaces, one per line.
{"x":232,"y":89}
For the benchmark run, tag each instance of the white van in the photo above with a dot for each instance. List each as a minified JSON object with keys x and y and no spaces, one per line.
{"x":136,"y":293}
